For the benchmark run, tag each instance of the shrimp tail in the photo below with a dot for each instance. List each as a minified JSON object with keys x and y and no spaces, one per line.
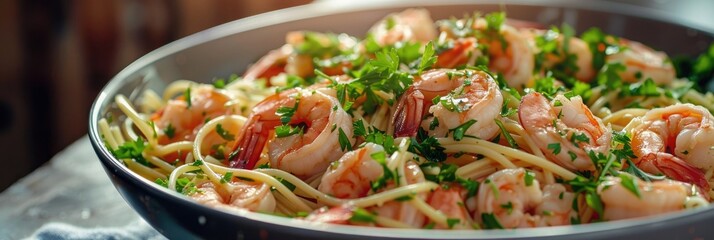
{"x":673,"y":167}
{"x":249,"y":147}
{"x":458,"y":55}
{"x":409,"y":112}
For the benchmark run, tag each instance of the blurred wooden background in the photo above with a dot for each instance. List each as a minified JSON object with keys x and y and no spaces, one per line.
{"x":57,"y":55}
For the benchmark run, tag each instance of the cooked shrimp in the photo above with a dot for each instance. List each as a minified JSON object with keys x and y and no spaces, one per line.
{"x":510,"y":198}
{"x":463,"y":52}
{"x":403,"y":211}
{"x":305,"y":154}
{"x":450,"y":202}
{"x":469,"y":95}
{"x":408,"y":25}
{"x":252,"y":196}
{"x":557,"y":206}
{"x":338,"y":215}
{"x":269,"y":65}
{"x":676,"y":141}
{"x":576,"y":46}
{"x":514,"y":60}
{"x":655,"y":198}
{"x":351,"y":176}
{"x":645,"y":61}
{"x":564,"y":129}
{"x":205,"y":103}
{"x":289,"y":58}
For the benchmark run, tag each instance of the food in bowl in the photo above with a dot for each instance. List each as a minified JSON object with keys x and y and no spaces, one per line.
{"x":463,"y":123}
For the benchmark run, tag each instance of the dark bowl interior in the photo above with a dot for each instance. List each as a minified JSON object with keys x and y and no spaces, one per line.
{"x":229,"y":48}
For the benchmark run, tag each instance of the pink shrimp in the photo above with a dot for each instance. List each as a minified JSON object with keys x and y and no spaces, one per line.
{"x":245,"y":195}
{"x":185,"y":119}
{"x":469,"y":95}
{"x":408,"y":25}
{"x":351,"y":175}
{"x":289,"y":59}
{"x":675,"y":141}
{"x":644,"y":62}
{"x":304,"y":154}
{"x":403,"y":211}
{"x":564,"y":129}
{"x":514,"y":59}
{"x":450,"y":202}
{"x":576,"y":46}
{"x":654,"y":197}
{"x":517,"y":202}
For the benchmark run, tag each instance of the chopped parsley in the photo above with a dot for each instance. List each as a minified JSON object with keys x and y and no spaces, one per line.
{"x":460,"y":131}
{"x":344,"y":141}
{"x":132,"y":150}
{"x":170,"y":131}
{"x":361,"y":215}
{"x":428,"y":147}
{"x":226,"y":178}
{"x":187,"y":97}
{"x":509,"y":138}
{"x":223,"y":133}
{"x":555,"y":147}
{"x":490,"y":221}
{"x":630,"y":184}
{"x":452,"y":221}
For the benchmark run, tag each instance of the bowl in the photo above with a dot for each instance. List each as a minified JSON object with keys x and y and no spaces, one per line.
{"x":229,"y":48}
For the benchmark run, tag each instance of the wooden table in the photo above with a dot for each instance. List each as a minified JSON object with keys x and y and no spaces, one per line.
{"x":71,"y":188}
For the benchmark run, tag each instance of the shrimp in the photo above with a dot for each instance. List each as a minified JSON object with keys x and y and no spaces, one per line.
{"x":463,"y":52}
{"x":675,"y":141}
{"x":408,"y":25}
{"x":564,"y":129}
{"x":576,"y":46}
{"x":468,"y":95}
{"x":655,"y":197}
{"x":515,"y":61}
{"x":320,"y":117}
{"x":337,"y":215}
{"x":556,"y":208}
{"x":351,"y":176}
{"x":295,"y":59}
{"x":508,"y":50}
{"x":450,"y":202}
{"x":185,"y":120}
{"x":252,"y":196}
{"x":516,"y":201}
{"x":644,"y":62}
{"x":403,"y":211}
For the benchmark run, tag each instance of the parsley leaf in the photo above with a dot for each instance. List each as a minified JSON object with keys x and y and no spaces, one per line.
{"x":170,"y":131}
{"x":187,"y":97}
{"x":490,"y":221}
{"x":361,"y":215}
{"x":287,"y":130}
{"x":630,"y":184}
{"x":345,"y":143}
{"x":226,"y":178}
{"x":555,"y":147}
{"x":223,"y":133}
{"x":132,"y":150}
{"x":429,"y":147}
{"x":509,"y":138}
{"x":461,"y":129}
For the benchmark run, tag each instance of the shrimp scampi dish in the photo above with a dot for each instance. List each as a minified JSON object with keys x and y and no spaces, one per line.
{"x":472,"y":123}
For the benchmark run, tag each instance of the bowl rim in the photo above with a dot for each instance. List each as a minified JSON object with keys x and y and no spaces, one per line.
{"x":327,"y":8}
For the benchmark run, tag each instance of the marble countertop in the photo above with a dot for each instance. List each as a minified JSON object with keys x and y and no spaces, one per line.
{"x":71,"y":188}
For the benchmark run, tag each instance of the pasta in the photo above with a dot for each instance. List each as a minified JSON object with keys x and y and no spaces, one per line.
{"x":467,"y":123}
